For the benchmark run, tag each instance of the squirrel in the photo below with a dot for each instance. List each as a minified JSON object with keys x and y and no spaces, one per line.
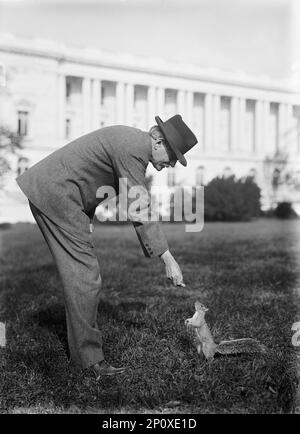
{"x":205,"y":343}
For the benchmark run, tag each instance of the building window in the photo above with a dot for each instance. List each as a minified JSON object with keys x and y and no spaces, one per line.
{"x":253,"y":174}
{"x":200,"y":175}
{"x":68,"y":89}
{"x":22,"y":165}
{"x":140,"y":114}
{"x":276,"y":178}
{"x":273,"y":128}
{"x":108,"y":93}
{"x":250,"y":126}
{"x":23,"y":123}
{"x":140,"y":97}
{"x":73,"y":90}
{"x":108,"y":102}
{"x":170,"y":102}
{"x":171,"y":180}
{"x":103,"y":88}
{"x":227,"y":172}
{"x":68,"y":128}
{"x":198,"y":116}
{"x":225,"y":124}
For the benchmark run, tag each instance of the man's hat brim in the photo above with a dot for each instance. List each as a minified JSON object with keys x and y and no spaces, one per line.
{"x":171,"y":136}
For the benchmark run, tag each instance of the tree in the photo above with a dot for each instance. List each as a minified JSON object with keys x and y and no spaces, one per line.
{"x":10,"y":143}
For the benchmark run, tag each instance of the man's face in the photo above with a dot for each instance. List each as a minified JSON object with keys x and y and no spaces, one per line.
{"x":162,"y":155}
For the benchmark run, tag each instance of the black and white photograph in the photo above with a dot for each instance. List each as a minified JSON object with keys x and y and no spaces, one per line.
{"x":149,"y":210}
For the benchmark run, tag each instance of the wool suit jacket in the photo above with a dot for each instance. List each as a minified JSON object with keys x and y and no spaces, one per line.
{"x":64,"y":184}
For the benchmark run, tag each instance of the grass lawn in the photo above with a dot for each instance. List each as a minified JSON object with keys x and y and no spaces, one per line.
{"x":244,"y":272}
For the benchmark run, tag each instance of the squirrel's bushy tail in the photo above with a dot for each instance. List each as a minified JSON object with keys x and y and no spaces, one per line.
{"x":240,"y":346}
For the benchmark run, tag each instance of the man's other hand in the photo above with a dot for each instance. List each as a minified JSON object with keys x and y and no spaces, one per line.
{"x":173,"y":271}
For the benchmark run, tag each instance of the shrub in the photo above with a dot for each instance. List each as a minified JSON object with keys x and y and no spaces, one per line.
{"x":229,"y":199}
{"x":4,"y":226}
{"x":284,"y":210}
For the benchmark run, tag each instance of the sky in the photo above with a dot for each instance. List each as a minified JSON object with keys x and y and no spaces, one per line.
{"x":236,"y":35}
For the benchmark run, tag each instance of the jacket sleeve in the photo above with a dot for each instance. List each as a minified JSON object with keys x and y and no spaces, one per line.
{"x":149,"y":233}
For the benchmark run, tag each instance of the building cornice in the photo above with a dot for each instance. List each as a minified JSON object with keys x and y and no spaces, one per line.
{"x":127,"y":62}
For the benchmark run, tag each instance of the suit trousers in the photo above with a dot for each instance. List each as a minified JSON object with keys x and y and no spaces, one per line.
{"x":79,"y":271}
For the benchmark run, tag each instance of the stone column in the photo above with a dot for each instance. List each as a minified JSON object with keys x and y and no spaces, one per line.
{"x":120,"y":103}
{"x":96,"y":103}
{"x":61,"y":109}
{"x":129,"y":101}
{"x":160,"y":99}
{"x":216,"y":100}
{"x":208,"y":122}
{"x":151,"y":106}
{"x":241,"y":115}
{"x":86,"y":104}
{"x":289,"y":138}
{"x":287,"y":110}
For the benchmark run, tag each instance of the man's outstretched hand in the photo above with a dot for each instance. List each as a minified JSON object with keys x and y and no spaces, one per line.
{"x":173,"y":271}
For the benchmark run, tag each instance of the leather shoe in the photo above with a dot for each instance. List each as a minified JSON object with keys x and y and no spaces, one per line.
{"x":104,"y":368}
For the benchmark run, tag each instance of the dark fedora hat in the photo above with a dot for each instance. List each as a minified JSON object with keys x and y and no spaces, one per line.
{"x":178,"y":135}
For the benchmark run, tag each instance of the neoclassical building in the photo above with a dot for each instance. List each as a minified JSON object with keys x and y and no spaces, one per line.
{"x":52,"y":94}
